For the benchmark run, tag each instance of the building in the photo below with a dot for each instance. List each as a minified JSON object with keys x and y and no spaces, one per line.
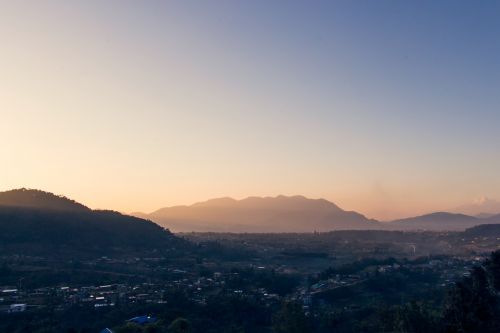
{"x":14,"y":308}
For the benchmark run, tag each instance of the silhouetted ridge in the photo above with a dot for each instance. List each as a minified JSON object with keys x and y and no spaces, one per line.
{"x":43,"y":221}
{"x":262,"y":214}
{"x":438,"y":221}
{"x":484,"y":230}
{"x":280,"y":202}
{"x":38,"y":199}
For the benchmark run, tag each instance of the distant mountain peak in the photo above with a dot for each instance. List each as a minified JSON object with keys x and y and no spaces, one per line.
{"x":224,"y":201}
{"x":443,"y":215}
{"x":261,"y":214}
{"x":280,"y":201}
{"x":437,"y":221}
{"x":31,"y":198}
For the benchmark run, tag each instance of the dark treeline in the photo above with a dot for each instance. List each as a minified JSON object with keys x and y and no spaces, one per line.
{"x":49,"y":231}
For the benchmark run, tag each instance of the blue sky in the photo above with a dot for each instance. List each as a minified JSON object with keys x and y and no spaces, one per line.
{"x":386,"y":107}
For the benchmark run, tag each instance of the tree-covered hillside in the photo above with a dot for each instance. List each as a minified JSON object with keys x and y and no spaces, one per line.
{"x":41,"y":221}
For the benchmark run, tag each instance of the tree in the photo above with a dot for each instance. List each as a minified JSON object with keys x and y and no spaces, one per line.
{"x":179,"y":325}
{"x":154,"y":328}
{"x":414,"y":317}
{"x":471,"y":306}
{"x":130,"y":328}
{"x":291,"y":319}
{"x":493,"y":269}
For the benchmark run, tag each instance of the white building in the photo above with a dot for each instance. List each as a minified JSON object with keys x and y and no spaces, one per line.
{"x":14,"y":308}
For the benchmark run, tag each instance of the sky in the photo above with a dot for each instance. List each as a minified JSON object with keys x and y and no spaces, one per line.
{"x":389,"y":108}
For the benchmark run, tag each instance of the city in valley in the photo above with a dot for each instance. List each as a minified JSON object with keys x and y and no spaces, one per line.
{"x":73,"y":271}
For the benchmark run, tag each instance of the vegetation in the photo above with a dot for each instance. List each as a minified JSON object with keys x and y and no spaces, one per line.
{"x":43,"y":223}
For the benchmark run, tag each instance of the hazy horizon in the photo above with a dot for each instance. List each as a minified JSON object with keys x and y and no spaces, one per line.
{"x":386,"y":108}
{"x":463,"y":208}
{"x":475,"y":207}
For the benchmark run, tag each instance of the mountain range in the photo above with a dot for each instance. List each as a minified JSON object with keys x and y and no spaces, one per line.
{"x":296,"y":214}
{"x":442,"y":221}
{"x":257,"y":214}
{"x":38,"y":216}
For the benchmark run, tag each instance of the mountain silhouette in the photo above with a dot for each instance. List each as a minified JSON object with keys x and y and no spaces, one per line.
{"x":261,"y":214}
{"x":34,"y":221}
{"x":37,"y":217}
{"x":439,"y":221}
{"x":483,"y":230}
{"x":29,"y":198}
{"x":442,"y":221}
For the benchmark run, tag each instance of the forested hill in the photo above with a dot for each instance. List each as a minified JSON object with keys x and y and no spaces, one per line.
{"x":40,"y":221}
{"x":28,"y":198}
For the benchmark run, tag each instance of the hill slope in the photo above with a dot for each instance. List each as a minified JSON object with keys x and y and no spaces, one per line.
{"x":257,"y":214}
{"x":483,"y":230}
{"x":33,"y":220}
{"x":441,"y":222}
{"x":28,"y":198}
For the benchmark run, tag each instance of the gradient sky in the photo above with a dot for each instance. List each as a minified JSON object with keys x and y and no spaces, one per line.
{"x":390,"y":108}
